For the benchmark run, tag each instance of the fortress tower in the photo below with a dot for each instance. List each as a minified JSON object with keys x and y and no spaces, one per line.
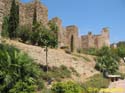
{"x":106,"y":36}
{"x":72,"y":37}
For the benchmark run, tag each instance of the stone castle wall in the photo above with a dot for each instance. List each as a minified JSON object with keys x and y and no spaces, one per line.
{"x":72,"y":37}
{"x":67,"y":36}
{"x":96,"y":41}
{"x":61,"y":33}
{"x":27,"y":11}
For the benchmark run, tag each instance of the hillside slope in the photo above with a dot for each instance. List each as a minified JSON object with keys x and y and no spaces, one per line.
{"x":83,"y":64}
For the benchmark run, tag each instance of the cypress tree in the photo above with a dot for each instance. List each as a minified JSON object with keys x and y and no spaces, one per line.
{"x":35,"y":15}
{"x":13,"y":20}
{"x":34,"y":23}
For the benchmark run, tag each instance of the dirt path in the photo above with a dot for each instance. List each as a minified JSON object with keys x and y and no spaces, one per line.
{"x":117,"y":87}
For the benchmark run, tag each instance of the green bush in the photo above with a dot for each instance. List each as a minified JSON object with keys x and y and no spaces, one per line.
{"x":91,"y":51}
{"x":18,"y":73}
{"x":95,"y":83}
{"x":107,"y":60}
{"x":107,"y":63}
{"x":56,"y":73}
{"x":5,"y":32}
{"x":41,"y":36}
{"x":66,"y":87}
{"x":24,"y":33}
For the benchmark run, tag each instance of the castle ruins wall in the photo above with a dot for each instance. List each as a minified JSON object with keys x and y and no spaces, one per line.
{"x":67,"y":36}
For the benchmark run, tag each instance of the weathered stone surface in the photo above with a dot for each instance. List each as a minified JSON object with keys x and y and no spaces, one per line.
{"x":72,"y":37}
{"x":95,"y":41}
{"x":27,"y":11}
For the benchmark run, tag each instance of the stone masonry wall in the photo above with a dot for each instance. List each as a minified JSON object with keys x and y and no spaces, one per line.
{"x":62,"y":32}
{"x":96,"y":41}
{"x":27,"y":12}
{"x":72,"y":39}
{"x":67,"y":36}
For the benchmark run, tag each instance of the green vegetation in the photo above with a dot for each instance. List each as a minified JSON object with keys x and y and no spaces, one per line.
{"x":18,"y":72}
{"x":37,"y":34}
{"x":95,"y":83}
{"x":43,"y":37}
{"x":121,"y":49}
{"x":66,"y":87}
{"x":56,"y":73}
{"x":13,"y":20}
{"x":83,"y":57}
{"x":24,"y":33}
{"x":107,"y":60}
{"x":91,"y":51}
{"x":5,"y":32}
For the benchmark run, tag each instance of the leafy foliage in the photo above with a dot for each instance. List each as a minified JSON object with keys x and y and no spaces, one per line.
{"x":56,"y":73}
{"x":107,"y":60}
{"x":24,"y":33}
{"x":18,"y":73}
{"x":43,"y":37}
{"x":121,"y":49}
{"x":5,"y":32}
{"x":107,"y":63}
{"x":66,"y":87}
{"x":95,"y":83}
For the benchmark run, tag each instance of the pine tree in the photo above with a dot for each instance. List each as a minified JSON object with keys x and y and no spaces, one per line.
{"x":13,"y":20}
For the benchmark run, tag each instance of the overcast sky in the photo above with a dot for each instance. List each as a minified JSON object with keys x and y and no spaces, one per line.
{"x":90,"y":15}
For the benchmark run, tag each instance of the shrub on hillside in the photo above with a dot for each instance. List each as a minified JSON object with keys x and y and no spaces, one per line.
{"x":5,"y":32}
{"x":24,"y":33}
{"x":95,"y":83}
{"x":41,"y":36}
{"x":66,"y":87}
{"x":57,"y":73}
{"x":18,"y":73}
{"x":107,"y":63}
{"x":107,"y":60}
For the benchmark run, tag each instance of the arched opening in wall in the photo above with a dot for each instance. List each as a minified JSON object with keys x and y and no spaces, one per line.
{"x":72,"y":44}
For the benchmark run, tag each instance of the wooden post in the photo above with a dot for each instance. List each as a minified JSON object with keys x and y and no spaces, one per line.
{"x":46,"y":59}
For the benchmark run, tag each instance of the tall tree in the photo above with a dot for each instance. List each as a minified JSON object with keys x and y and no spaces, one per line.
{"x":34,"y":23}
{"x":35,"y":15}
{"x":13,"y":20}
